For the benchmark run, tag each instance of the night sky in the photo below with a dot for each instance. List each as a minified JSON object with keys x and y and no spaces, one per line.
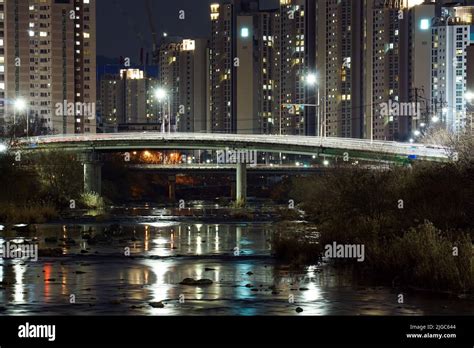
{"x":122,"y":23}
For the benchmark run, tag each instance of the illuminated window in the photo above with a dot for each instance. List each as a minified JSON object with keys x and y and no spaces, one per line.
{"x":424,"y":24}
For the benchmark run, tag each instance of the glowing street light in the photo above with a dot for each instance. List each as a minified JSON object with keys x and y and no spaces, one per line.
{"x":326,"y":163}
{"x":20,"y":104}
{"x":161,"y":94}
{"x":417,"y":133}
{"x":469,"y":96}
{"x":3,"y":148}
{"x":311,"y":79}
{"x":435,"y":119}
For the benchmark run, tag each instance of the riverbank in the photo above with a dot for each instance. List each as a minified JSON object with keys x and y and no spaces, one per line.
{"x":415,"y":225}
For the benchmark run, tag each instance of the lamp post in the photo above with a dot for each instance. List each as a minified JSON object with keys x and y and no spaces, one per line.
{"x":20,"y":106}
{"x":162,"y":95}
{"x":312,"y":80}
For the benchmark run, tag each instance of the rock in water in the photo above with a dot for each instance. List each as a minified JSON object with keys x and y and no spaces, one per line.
{"x":299,"y":310}
{"x":200,"y":282}
{"x":157,"y":304}
{"x":204,"y":282}
{"x":188,"y":281}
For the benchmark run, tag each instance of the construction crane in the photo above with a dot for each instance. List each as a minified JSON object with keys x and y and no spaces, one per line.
{"x":154,"y":35}
{"x":132,"y":25}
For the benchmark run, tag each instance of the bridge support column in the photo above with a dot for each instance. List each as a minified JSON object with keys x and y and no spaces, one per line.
{"x":92,"y":173}
{"x":172,"y":188}
{"x":241,"y":184}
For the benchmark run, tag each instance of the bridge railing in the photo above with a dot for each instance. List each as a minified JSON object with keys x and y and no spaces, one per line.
{"x":388,"y":147}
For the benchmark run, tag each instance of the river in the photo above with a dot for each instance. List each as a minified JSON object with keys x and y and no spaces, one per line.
{"x":97,"y":276}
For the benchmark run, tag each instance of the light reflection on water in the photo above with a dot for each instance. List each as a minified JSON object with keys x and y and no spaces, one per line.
{"x":105,"y":281}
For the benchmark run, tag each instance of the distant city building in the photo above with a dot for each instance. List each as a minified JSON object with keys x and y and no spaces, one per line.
{"x":420,"y":58}
{"x":127,"y":98}
{"x":339,"y":68}
{"x":222,"y":70}
{"x":294,"y":59}
{"x":361,"y":54}
{"x":108,"y":100}
{"x":48,"y":62}
{"x":449,"y":74}
{"x":366,"y":56}
{"x":385,"y":64}
{"x":184,"y":67}
{"x":259,"y":60}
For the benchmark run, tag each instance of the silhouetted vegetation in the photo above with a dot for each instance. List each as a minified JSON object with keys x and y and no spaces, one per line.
{"x":416,"y":223}
{"x":37,"y":188}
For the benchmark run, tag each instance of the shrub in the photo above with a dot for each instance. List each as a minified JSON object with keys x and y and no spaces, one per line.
{"x":92,"y":200}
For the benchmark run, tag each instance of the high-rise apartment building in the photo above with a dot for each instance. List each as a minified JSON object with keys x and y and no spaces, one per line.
{"x":184,"y":66}
{"x":361,"y":52}
{"x":372,"y":60}
{"x":439,"y":50}
{"x":449,"y":72}
{"x":127,"y":98}
{"x":48,"y":61}
{"x":222,"y":69}
{"x":339,"y":67}
{"x":259,"y":60}
{"x":294,"y":59}
{"x":385,"y":81}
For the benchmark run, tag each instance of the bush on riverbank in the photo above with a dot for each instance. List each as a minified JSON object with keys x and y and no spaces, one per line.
{"x":92,"y":200}
{"x":297,"y":246}
{"x":408,"y":219}
{"x":425,"y":257}
{"x":37,"y":187}
{"x":27,"y":214}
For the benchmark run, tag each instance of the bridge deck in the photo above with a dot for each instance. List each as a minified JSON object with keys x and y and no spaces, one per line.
{"x":355,"y":148}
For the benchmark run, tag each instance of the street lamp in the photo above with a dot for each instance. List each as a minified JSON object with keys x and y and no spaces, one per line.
{"x":162,"y":95}
{"x":469,"y":96}
{"x":311,"y":80}
{"x":19,"y":106}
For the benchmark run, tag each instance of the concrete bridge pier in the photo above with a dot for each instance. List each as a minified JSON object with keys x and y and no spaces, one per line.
{"x":92,"y":173}
{"x":241,"y":184}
